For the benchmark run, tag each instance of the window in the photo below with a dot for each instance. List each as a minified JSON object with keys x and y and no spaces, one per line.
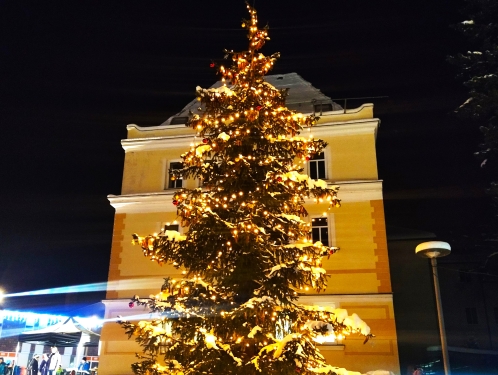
{"x":169,"y":226}
{"x":465,"y":276}
{"x":163,"y":226}
{"x":208,"y":164}
{"x":173,"y":181}
{"x":320,"y":230}
{"x":317,"y":166}
{"x":283,"y":327}
{"x":471,"y":313}
{"x":178,"y":120}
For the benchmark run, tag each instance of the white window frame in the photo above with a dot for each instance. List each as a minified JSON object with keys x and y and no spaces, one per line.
{"x":166,"y":178}
{"x":161,"y":224}
{"x":327,"y":161}
{"x":200,"y":180}
{"x":324,"y":301}
{"x":331,"y":228}
{"x":320,"y":231}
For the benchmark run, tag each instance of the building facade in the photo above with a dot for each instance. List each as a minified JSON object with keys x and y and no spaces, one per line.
{"x":359,"y":272}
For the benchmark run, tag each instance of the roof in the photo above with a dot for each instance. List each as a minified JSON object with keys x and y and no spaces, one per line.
{"x":302,"y":97}
{"x":68,"y":333}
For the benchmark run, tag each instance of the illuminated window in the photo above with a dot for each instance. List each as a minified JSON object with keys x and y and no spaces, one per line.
{"x":471,"y":313}
{"x":330,"y":339}
{"x":317,"y":167}
{"x":169,"y":226}
{"x":164,"y":226}
{"x":283,"y":327}
{"x":320,"y":230}
{"x":208,"y":164}
{"x":173,"y":181}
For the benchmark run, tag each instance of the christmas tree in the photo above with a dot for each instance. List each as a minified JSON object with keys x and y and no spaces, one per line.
{"x":478,"y":68}
{"x":247,"y":253}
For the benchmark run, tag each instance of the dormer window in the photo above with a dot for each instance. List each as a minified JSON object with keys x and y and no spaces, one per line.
{"x":179,"y":120}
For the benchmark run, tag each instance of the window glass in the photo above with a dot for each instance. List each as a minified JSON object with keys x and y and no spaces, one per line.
{"x":317,"y":166}
{"x":174,"y":227}
{"x":174,"y":182}
{"x":320,"y":230}
{"x":205,"y":181}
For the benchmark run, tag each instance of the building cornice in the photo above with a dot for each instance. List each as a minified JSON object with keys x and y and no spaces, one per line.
{"x":368,"y":126}
{"x":339,"y":128}
{"x":157,"y":143}
{"x":335,"y":300}
{"x":349,"y":191}
{"x":120,"y":307}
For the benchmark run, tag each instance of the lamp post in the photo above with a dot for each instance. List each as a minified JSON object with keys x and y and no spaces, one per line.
{"x":433,"y":250}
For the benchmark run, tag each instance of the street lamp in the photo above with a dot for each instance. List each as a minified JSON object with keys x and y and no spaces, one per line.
{"x":433,"y":250}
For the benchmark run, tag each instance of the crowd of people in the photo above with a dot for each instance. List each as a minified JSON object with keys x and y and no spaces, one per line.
{"x":6,"y":368}
{"x":50,"y":364}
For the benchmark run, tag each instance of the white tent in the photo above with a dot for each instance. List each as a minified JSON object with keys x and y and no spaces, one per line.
{"x":65,"y":334}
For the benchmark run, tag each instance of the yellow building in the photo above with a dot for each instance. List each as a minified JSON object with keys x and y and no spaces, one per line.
{"x":359,"y":272}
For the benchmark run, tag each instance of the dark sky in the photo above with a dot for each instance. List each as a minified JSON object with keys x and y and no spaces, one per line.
{"x":74,"y":73}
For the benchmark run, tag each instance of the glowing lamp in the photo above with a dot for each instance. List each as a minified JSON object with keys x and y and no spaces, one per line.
{"x":433,"y":249}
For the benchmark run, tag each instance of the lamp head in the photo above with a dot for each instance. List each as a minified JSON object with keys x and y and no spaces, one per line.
{"x":433,"y":249}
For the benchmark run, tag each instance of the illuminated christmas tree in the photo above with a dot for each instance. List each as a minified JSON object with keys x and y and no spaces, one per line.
{"x":247,"y":252}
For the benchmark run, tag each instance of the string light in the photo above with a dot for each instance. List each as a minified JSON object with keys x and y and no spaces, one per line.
{"x":244,"y":228}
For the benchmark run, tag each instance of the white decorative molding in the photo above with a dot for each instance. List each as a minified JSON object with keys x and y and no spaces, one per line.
{"x":324,"y":115}
{"x":157,"y":143}
{"x":120,"y":307}
{"x":116,"y":308}
{"x":153,"y":128}
{"x":350,"y":191}
{"x":142,"y":203}
{"x":339,"y":128}
{"x":335,"y":300}
{"x":331,"y":347}
{"x":359,"y":191}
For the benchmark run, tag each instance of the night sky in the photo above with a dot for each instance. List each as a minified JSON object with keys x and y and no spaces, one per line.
{"x":75,"y":73}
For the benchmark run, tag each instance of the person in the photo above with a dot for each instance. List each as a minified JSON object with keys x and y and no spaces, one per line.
{"x":33,"y":365}
{"x":11,"y":368}
{"x":54,"y":360}
{"x":43,"y":368}
{"x":84,"y":366}
{"x":59,"y":371}
{"x":3,"y":367}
